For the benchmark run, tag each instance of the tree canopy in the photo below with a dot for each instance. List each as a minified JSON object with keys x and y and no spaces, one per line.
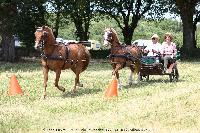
{"x":125,"y":13}
{"x":19,"y":17}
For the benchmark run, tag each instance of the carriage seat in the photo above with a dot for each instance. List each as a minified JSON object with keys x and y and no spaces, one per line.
{"x":149,"y":60}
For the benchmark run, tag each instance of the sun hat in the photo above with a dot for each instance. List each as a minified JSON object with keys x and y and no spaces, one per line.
{"x":155,"y":36}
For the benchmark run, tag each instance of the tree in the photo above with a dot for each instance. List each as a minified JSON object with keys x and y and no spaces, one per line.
{"x":190,"y":15}
{"x":8,"y":13}
{"x":30,"y":14}
{"x":195,"y":21}
{"x":127,"y":13}
{"x":187,"y":10}
{"x":57,"y":10}
{"x":80,"y":12}
{"x":19,"y":17}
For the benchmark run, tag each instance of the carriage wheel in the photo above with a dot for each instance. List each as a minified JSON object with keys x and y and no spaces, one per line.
{"x":171,"y":77}
{"x":174,"y":76}
{"x":146,"y":78}
{"x":140,"y":76}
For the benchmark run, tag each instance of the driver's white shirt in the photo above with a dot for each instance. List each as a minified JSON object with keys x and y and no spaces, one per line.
{"x":151,"y":47}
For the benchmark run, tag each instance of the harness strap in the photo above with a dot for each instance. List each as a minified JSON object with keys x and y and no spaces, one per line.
{"x":50,"y":57}
{"x":67,"y":51}
{"x":127,"y":56}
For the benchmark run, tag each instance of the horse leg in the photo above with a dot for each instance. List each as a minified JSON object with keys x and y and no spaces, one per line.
{"x":116,"y":73}
{"x":130,"y":78}
{"x":77,"y":81}
{"x":58,"y":72}
{"x":77,"y":72}
{"x":136,"y":72}
{"x":45,"y":73}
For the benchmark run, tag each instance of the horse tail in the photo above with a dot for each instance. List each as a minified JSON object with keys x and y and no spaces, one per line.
{"x":86,"y":58}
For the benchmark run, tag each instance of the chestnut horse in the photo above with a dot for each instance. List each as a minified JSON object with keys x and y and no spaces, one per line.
{"x":122,"y":56}
{"x":58,"y":57}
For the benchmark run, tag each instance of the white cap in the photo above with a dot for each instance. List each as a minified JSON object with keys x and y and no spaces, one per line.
{"x":155,"y":36}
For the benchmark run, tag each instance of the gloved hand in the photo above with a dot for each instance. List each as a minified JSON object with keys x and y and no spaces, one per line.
{"x":154,"y":51}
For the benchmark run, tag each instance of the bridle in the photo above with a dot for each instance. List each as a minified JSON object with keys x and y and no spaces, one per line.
{"x":49,"y":56}
{"x":108,"y":37}
{"x":42,"y":40}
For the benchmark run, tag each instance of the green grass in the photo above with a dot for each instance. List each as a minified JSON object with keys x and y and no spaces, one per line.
{"x":155,"y":106}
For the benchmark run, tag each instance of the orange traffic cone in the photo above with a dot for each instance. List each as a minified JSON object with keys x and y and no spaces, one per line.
{"x":112,"y":89}
{"x":14,"y":88}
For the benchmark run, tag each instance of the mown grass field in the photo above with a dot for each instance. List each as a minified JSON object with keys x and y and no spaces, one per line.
{"x":157,"y":106}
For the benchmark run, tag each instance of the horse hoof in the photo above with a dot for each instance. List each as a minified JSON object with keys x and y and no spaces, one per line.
{"x":80,"y":85}
{"x":135,"y":82}
{"x":44,"y":97}
{"x":73,"y":92}
{"x":61,"y":88}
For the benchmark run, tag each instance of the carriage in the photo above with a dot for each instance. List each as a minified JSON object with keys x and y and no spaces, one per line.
{"x":154,"y":66}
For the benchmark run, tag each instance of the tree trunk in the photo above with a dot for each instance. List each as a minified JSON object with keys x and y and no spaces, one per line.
{"x":187,"y":9}
{"x":194,"y":36}
{"x":128,"y":34}
{"x":128,"y":30}
{"x":8,"y":48}
{"x":81,"y":29}
{"x":86,"y":31}
{"x":55,"y":30}
{"x":188,"y":34}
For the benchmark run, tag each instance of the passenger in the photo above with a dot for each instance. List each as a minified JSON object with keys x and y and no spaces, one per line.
{"x":168,"y":50}
{"x":153,"y":49}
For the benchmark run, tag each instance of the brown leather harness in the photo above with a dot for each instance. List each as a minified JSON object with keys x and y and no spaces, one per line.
{"x":127,"y":56}
{"x":66,"y":59}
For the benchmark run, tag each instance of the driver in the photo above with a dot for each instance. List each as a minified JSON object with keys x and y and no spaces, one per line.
{"x":153,"y":49}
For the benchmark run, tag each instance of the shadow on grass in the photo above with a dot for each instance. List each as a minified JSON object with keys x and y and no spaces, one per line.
{"x":32,"y":65}
{"x":20,"y":66}
{"x":142,"y":84}
{"x":80,"y":92}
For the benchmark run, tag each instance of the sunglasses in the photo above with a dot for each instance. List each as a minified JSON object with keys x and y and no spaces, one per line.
{"x":153,"y":38}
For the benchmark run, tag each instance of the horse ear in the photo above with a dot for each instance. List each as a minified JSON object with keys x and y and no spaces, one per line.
{"x":45,"y":33}
{"x":43,"y":27}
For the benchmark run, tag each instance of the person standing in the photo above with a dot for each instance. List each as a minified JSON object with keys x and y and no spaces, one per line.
{"x":168,"y":50}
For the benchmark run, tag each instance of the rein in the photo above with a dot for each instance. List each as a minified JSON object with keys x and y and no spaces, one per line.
{"x":127,"y":55}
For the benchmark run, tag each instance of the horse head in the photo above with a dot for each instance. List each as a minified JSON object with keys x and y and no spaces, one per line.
{"x":110,"y":37}
{"x":43,"y":35}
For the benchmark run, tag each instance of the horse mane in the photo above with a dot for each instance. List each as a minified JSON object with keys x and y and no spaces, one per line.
{"x":116,"y":35}
{"x":50,"y":32}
